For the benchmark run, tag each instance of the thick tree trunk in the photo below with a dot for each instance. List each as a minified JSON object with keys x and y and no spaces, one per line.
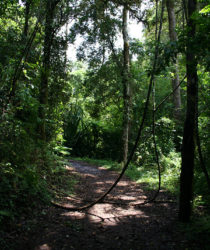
{"x":188,"y":150}
{"x":48,"y":38}
{"x":175,"y":80}
{"x":126,"y":86}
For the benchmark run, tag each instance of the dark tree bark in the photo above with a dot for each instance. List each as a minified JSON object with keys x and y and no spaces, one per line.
{"x":27,"y":16}
{"x":175,"y":80}
{"x":188,"y":150}
{"x":126,"y":86}
{"x":48,"y":39}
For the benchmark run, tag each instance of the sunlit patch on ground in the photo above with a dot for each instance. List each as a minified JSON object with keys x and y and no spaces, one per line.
{"x":43,"y":247}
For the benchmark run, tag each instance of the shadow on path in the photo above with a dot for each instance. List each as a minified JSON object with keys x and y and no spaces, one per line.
{"x":115,"y":224}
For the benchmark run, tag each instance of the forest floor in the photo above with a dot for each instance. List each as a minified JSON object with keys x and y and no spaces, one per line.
{"x":118,"y":223}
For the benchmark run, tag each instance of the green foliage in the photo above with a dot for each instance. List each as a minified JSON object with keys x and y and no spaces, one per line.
{"x":205,"y":10}
{"x":198,"y":228}
{"x":90,"y":138}
{"x":19,"y":188}
{"x":62,"y":150}
{"x":164,"y":134}
{"x":27,"y":164}
{"x":84,"y":104}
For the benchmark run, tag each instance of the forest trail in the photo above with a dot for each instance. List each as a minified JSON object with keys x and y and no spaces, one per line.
{"x":115,"y":224}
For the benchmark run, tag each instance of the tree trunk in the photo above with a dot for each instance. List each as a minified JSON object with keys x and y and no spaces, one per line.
{"x":48,"y":38}
{"x":18,"y":68}
{"x":175,"y":80}
{"x":27,"y":12}
{"x":126,"y":86}
{"x":188,"y":150}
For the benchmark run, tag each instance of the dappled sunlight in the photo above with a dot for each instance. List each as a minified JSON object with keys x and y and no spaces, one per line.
{"x":102,"y":182}
{"x":70,"y":168}
{"x":43,"y":247}
{"x":108,"y":211}
{"x":74,"y":215}
{"x":116,"y":223}
{"x":127,"y":198}
{"x":122,"y":183}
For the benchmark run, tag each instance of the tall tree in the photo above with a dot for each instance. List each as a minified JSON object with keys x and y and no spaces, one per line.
{"x":188,"y":150}
{"x":126,"y":84}
{"x":175,"y":79}
{"x":48,"y":40}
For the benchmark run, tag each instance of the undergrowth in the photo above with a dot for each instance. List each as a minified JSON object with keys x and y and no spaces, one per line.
{"x":196,"y":232}
{"x":26,"y":193}
{"x":26,"y":187}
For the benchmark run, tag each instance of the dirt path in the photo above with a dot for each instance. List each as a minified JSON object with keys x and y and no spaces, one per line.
{"x":116,"y":224}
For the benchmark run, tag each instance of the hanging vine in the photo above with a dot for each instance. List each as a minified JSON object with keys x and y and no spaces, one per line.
{"x":102,"y":197}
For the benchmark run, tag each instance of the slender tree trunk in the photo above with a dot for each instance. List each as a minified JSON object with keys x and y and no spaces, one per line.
{"x":126,"y":86}
{"x":27,"y":16}
{"x":18,"y":68}
{"x":48,"y":38}
{"x":175,"y":80}
{"x":66,"y":46}
{"x":188,"y":150}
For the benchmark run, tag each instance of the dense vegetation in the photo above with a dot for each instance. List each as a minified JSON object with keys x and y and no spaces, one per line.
{"x":52,"y":106}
